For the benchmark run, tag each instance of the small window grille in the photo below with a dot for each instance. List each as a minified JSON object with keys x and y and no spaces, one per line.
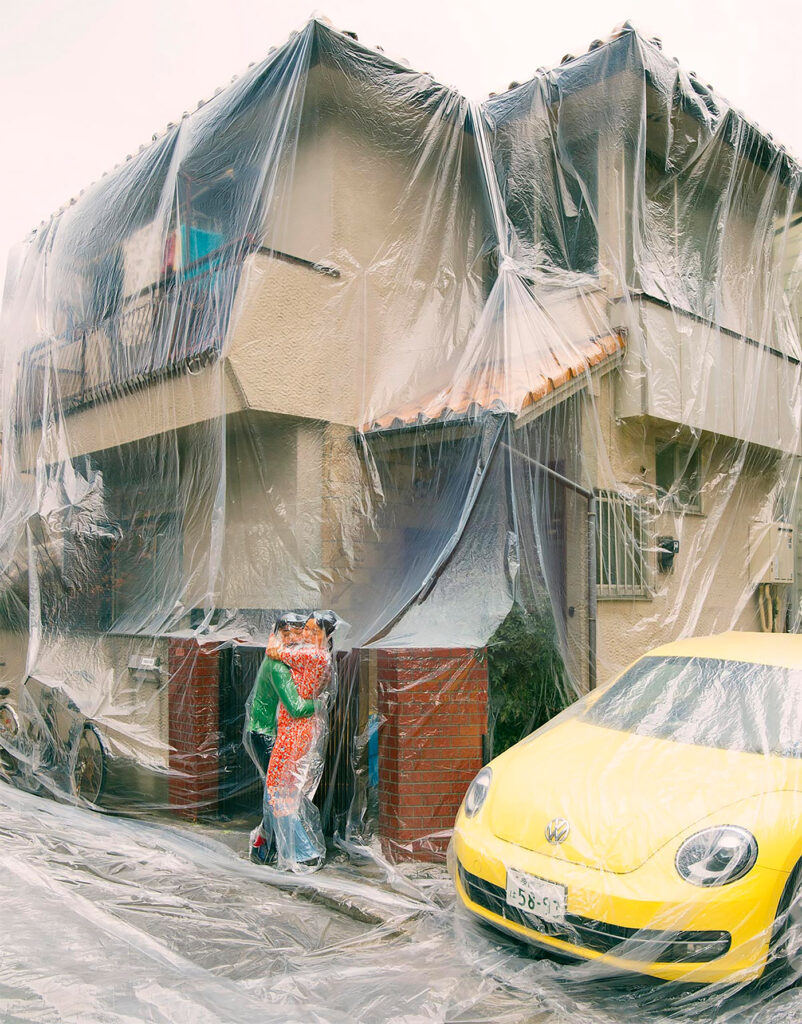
{"x":621,"y":569}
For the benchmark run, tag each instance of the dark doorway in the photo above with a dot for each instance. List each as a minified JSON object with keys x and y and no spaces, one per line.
{"x":240,"y":783}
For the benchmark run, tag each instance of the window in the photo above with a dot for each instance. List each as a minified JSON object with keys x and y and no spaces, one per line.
{"x":670,"y":698}
{"x":682,"y":226}
{"x":568,"y":235}
{"x":620,"y":546}
{"x":679,"y":476}
{"x":551,"y":201}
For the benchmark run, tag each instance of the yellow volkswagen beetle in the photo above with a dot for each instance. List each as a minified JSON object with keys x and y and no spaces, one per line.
{"x":657,"y":823}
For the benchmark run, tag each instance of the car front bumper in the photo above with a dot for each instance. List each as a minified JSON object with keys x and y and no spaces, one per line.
{"x":647,"y":921}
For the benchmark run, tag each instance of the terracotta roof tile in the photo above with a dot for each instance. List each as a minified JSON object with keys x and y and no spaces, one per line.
{"x":498,"y":387}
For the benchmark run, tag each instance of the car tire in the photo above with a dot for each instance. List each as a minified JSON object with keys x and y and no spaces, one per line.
{"x":88,"y":774}
{"x":784,"y":964}
{"x":789,"y":937}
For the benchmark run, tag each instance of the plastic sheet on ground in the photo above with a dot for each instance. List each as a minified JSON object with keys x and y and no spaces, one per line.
{"x":374,"y":460}
{"x":110,"y":919}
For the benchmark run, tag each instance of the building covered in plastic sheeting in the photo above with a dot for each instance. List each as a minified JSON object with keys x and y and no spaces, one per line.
{"x":514,"y":389}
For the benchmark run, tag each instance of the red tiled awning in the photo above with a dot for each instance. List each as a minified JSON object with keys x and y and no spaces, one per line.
{"x":514,"y":387}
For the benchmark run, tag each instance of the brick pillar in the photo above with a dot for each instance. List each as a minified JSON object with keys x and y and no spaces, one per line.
{"x":433,"y":715}
{"x":194,"y":727}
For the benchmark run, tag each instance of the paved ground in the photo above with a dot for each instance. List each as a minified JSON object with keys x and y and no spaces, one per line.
{"x":105,"y":919}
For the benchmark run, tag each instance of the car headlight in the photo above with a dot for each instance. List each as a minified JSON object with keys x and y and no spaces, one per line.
{"x":716,"y":856}
{"x":477,"y":792}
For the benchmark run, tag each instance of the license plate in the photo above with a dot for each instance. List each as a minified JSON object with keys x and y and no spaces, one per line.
{"x":536,"y":896}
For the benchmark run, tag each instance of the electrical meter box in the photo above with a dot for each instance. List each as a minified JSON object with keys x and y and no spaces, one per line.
{"x":771,"y":553}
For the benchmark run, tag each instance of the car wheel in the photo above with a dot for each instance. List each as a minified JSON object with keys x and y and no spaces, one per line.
{"x":789,"y":944}
{"x":784,"y":964}
{"x":89,"y":767}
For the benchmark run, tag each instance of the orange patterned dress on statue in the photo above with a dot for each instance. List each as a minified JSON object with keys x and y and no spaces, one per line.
{"x":296,"y":738}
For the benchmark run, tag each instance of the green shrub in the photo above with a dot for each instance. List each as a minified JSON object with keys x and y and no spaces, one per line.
{"x":527,"y":679}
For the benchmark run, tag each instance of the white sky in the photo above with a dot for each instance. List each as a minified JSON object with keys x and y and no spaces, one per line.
{"x":84,"y":82}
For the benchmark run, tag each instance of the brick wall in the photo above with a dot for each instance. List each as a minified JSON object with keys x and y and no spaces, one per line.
{"x":433,"y":712}
{"x":194,"y":729}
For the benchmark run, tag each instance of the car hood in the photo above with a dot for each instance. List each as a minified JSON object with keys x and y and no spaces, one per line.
{"x":624,"y":796}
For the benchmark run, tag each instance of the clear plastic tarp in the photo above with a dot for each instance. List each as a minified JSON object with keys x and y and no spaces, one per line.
{"x":375,"y":461}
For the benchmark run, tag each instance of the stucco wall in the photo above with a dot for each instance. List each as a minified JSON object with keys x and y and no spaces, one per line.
{"x":156,"y":408}
{"x":408,"y":289}
{"x":272,"y":550}
{"x":678,"y":367}
{"x":403,"y":228}
{"x":13,"y":651}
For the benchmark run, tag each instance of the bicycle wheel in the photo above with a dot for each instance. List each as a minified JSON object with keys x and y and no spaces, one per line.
{"x":9,"y":727}
{"x":89,"y":768}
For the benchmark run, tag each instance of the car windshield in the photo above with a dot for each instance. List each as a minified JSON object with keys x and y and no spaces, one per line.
{"x":710,"y":702}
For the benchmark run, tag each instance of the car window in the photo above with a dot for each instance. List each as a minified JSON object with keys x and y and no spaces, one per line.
{"x":712,"y":702}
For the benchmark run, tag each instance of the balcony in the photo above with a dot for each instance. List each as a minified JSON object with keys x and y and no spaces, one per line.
{"x":684,"y":369}
{"x":178,"y":323}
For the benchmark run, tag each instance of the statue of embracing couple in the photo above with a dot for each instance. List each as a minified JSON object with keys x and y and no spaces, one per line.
{"x":286,"y":727}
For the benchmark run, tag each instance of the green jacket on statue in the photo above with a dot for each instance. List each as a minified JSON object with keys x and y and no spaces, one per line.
{"x":273,"y":684}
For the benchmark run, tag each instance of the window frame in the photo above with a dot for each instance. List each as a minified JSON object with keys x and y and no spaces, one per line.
{"x":684,"y":454}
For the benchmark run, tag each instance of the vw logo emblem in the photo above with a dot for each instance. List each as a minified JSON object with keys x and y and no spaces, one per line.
{"x":557,"y":831}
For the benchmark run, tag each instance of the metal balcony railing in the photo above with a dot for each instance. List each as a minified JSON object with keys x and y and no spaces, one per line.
{"x":178,"y":322}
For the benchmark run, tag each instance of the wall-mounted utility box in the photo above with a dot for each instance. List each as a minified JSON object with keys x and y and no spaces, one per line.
{"x":145,"y":666}
{"x":771,"y":553}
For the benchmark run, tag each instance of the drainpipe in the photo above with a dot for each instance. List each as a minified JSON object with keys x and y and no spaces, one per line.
{"x":591,"y":499}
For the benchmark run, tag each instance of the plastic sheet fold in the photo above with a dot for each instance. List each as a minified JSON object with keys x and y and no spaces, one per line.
{"x":374,"y":460}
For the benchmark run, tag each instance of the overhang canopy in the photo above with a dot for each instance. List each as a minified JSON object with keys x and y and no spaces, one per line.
{"x":518,"y":385}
